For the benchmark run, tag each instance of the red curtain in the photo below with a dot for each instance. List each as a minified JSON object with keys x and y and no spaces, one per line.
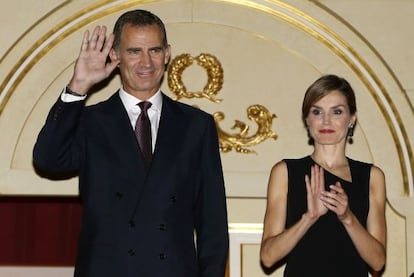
{"x":39,"y":230}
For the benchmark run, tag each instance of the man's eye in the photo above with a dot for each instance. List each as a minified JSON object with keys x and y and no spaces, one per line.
{"x":156,"y":50}
{"x":133,"y":51}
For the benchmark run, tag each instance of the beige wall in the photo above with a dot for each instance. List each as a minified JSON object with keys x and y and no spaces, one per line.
{"x":270,"y":51}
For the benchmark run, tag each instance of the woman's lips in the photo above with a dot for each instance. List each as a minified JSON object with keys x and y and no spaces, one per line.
{"x":326,"y":131}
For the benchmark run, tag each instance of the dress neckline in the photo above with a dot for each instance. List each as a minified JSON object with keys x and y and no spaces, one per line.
{"x":331,"y":173}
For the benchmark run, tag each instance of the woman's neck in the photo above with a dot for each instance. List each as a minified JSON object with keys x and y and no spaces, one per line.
{"x":329,"y":156}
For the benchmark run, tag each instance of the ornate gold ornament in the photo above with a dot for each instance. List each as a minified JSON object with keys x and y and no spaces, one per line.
{"x":214,"y":76}
{"x":241,"y":141}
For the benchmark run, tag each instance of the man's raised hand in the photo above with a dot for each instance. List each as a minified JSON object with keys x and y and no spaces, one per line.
{"x":91,"y":66}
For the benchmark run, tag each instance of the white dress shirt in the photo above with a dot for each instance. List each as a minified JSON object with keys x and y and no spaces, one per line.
{"x":154,"y":112}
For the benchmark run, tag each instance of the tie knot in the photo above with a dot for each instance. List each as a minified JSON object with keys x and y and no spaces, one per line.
{"x":144,"y":105}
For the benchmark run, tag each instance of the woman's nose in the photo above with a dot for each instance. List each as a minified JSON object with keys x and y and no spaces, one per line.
{"x":326,"y":118}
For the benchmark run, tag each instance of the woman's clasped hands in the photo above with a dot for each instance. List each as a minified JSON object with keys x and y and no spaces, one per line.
{"x":321,"y":200}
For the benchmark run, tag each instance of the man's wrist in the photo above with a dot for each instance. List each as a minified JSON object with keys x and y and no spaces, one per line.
{"x":68,"y":96}
{"x":71,"y":92}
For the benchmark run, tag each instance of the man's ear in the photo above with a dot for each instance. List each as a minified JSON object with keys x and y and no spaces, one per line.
{"x":167,"y":54}
{"x":113,"y":55}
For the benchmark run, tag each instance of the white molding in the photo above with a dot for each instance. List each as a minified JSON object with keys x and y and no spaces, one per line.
{"x":35,"y":271}
{"x":239,"y":234}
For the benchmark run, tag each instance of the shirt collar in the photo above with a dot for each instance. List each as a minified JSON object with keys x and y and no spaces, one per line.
{"x":130,"y":101}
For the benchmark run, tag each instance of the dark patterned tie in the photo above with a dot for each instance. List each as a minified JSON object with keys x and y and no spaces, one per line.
{"x":143,"y":133}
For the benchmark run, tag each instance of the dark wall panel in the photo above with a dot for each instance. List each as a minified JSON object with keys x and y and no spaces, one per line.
{"x":39,"y":230}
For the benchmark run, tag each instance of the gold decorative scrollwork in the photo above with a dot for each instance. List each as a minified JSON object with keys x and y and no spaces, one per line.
{"x":214,"y":76}
{"x":241,"y":140}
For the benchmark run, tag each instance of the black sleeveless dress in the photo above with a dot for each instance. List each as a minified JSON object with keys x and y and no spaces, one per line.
{"x":326,"y":249}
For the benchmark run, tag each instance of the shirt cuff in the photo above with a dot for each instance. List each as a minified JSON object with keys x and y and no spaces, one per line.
{"x":68,"y":97}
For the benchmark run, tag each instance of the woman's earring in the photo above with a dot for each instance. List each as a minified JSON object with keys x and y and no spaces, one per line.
{"x":350,"y":134}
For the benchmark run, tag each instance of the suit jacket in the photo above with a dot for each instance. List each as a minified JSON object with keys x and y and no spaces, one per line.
{"x":169,"y":222}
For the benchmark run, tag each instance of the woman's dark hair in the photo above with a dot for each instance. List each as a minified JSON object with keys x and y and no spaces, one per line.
{"x":137,"y":18}
{"x":322,"y":87}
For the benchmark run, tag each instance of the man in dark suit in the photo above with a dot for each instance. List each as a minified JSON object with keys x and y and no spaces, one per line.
{"x":158,"y":215}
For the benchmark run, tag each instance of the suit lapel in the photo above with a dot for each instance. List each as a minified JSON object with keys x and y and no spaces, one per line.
{"x":126,"y":152}
{"x":119,"y":129}
{"x":172,"y":126}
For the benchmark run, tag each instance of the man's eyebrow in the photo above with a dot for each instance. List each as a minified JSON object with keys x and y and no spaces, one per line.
{"x":133,"y":48}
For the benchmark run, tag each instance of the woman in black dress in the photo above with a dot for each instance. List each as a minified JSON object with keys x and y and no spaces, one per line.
{"x":326,"y":212}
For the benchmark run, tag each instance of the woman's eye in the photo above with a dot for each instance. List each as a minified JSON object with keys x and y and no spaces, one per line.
{"x":316,"y":112}
{"x":338,"y":111}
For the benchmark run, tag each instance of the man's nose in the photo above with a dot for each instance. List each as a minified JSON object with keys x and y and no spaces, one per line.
{"x":145,"y":58}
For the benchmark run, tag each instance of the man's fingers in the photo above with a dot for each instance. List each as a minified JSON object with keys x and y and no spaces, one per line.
{"x":101,"y":38}
{"x":85,"y":40}
{"x":94,"y":37}
{"x":108,"y":45}
{"x":97,"y":40}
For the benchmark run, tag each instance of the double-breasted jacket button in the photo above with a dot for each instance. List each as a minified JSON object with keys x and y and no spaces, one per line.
{"x":119,"y":195}
{"x":57,"y":112}
{"x":131,"y":223}
{"x":131,"y":252}
{"x":173,"y":199}
{"x":163,"y":256}
{"x":162,"y":227}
